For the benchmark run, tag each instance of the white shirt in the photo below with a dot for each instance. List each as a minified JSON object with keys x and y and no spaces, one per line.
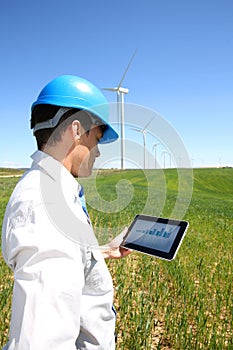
{"x":63,"y":292}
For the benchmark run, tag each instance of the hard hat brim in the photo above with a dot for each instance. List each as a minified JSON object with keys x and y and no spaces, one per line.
{"x":110,"y":135}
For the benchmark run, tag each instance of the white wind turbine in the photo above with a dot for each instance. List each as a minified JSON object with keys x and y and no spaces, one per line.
{"x":164,"y":158}
{"x":154,"y":148}
{"x":143,"y":131}
{"x":120,"y":108}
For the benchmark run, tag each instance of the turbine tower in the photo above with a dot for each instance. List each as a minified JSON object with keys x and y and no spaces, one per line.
{"x":120,"y":91}
{"x":143,"y":131}
{"x":164,"y":159}
{"x":154,"y":148}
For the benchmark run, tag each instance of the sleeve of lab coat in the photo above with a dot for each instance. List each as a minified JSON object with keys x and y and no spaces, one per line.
{"x":49,"y":277}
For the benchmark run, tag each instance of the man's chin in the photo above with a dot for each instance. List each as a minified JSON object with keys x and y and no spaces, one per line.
{"x":82,"y":174}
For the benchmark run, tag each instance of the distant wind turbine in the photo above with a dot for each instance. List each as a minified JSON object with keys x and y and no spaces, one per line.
{"x":154,"y":148}
{"x":120,"y":108}
{"x":164,"y":158}
{"x":143,"y":132}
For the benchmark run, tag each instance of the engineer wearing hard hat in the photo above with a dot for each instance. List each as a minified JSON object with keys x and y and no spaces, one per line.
{"x":63,"y":292}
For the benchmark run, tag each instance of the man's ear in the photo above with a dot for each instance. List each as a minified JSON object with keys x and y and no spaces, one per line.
{"x":76,"y":129}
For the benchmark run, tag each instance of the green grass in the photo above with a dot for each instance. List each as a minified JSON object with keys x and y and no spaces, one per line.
{"x":181,"y":305}
{"x":9,"y":171}
{"x":6,"y":276}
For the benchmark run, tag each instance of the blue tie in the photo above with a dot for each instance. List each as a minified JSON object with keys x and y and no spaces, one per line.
{"x":83,"y":202}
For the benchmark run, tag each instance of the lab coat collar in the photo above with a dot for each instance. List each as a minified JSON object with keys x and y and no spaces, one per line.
{"x":55,"y":170}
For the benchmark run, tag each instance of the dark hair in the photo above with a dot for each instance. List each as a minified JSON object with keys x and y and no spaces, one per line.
{"x":44,"y":112}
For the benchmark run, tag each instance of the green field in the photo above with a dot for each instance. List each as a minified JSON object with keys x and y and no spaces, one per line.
{"x":181,"y":305}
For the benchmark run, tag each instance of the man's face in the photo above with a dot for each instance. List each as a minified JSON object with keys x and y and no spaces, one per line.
{"x":86,"y":152}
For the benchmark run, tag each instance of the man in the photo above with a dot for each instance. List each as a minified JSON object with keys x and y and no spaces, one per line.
{"x":63,"y":293}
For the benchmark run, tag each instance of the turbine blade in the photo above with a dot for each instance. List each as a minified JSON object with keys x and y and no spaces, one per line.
{"x":110,"y":89}
{"x":155,"y":145}
{"x":148,"y":123}
{"x":125,"y":72}
{"x":138,"y":130}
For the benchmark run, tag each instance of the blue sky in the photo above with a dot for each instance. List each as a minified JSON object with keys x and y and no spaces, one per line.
{"x":183,"y":66}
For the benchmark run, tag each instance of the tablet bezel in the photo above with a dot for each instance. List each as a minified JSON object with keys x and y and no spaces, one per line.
{"x":154,"y":252}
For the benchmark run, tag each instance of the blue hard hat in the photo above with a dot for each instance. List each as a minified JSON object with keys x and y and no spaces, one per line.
{"x":75,"y":92}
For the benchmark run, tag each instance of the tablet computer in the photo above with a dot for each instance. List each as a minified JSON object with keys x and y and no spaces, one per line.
{"x":155,"y":236}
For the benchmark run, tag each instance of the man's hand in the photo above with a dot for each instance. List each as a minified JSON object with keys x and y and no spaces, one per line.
{"x":115,"y":253}
{"x":114,"y":250}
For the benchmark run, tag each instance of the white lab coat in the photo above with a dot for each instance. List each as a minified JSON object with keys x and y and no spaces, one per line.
{"x":63,"y":292}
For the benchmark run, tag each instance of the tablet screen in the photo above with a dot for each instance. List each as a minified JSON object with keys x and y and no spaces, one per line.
{"x":155,"y":236}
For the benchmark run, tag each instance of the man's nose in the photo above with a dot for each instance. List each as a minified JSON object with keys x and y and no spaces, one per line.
{"x":97,"y":151}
